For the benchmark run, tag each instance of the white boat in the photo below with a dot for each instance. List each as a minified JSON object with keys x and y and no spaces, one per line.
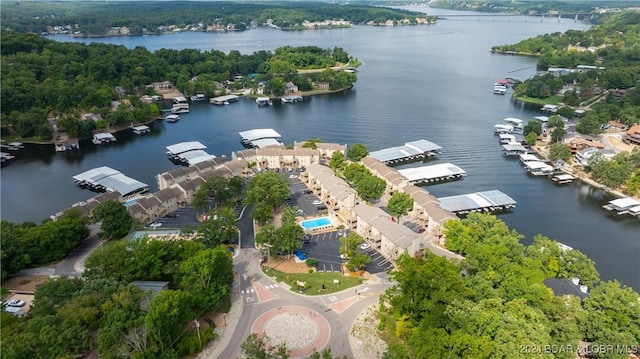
{"x":499,"y":90}
{"x":502,"y":128}
{"x":291,"y":99}
{"x":172,"y":118}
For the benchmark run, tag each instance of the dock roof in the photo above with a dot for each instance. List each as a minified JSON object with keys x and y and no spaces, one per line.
{"x":624,"y":203}
{"x":95,"y":174}
{"x":265,"y":142}
{"x":141,"y":128}
{"x":474,"y":201}
{"x":195,"y":156}
{"x":122,"y":184}
{"x":185,"y":146}
{"x":103,"y":136}
{"x":537,"y":165}
{"x":514,"y":147}
{"x":259,"y":133}
{"x":224,"y":98}
{"x":431,"y":172}
{"x":409,"y":149}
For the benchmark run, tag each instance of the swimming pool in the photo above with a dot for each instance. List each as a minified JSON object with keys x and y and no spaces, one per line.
{"x":315,"y":223}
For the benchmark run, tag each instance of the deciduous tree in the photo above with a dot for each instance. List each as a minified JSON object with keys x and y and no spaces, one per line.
{"x":399,"y":204}
{"x":116,"y":220}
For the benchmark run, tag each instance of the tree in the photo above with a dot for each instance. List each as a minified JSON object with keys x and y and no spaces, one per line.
{"x":116,"y":220}
{"x":337,"y":161}
{"x":265,"y":192}
{"x":559,"y":151}
{"x":209,"y":275}
{"x":258,"y":347}
{"x":566,"y":112}
{"x":555,"y":121}
{"x":358,"y":262}
{"x":357,"y":151}
{"x":167,"y":318}
{"x":533,"y":126}
{"x":589,"y":124}
{"x":349,"y":244}
{"x":558,"y":134}
{"x":371,"y":188}
{"x":399,"y":204}
{"x":531,"y":138}
{"x":220,"y":227}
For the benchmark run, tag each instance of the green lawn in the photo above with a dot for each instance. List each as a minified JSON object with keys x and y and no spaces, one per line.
{"x":314,"y":281}
{"x":553,"y":100}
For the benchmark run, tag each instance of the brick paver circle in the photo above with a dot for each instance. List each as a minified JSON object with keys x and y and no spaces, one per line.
{"x":302,"y":329}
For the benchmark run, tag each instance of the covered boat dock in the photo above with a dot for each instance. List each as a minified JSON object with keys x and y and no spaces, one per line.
{"x":625,"y":205}
{"x":487,"y":201}
{"x":414,"y":150}
{"x":514,"y":149}
{"x":260,"y":138}
{"x":189,"y":153}
{"x":141,"y":130}
{"x":105,"y":137}
{"x":224,"y":100}
{"x":563,"y":178}
{"x":433,"y":173}
{"x":539,"y":168}
{"x":110,"y":180}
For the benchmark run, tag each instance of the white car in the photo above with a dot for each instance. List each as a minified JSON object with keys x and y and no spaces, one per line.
{"x":155,"y":225}
{"x":365,"y":246}
{"x":344,"y":256}
{"x":316,"y":202}
{"x":15,"y":303}
{"x":293,"y":176}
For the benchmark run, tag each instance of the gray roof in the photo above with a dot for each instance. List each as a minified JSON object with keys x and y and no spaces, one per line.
{"x":95,"y":174}
{"x":431,"y":172}
{"x":111,"y":179}
{"x":564,"y":286}
{"x":185,"y":146}
{"x":265,"y":142}
{"x":259,"y":133}
{"x":196,"y":156}
{"x":409,"y":149}
{"x":476,"y":200}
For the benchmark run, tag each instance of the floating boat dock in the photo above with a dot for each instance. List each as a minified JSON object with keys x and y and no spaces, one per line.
{"x":260,"y":138}
{"x":5,"y":156}
{"x":100,"y":138}
{"x":514,"y":149}
{"x":224,"y":100}
{"x":506,"y":138}
{"x":264,"y":101}
{"x":624,"y":206}
{"x":172,"y":118}
{"x":411,"y":151}
{"x":503,"y":128}
{"x":539,"y":168}
{"x":13,"y":146}
{"x":198,"y":97}
{"x":189,"y":153}
{"x":433,"y":173}
{"x":527,"y":157}
{"x":563,"y":178}
{"x":141,"y":130}
{"x":549,"y":108}
{"x":110,"y":180}
{"x":291,"y":99}
{"x":515,"y":122}
{"x":488,"y":201}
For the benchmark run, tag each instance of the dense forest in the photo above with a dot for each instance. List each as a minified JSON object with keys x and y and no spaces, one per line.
{"x":535,"y":6}
{"x":43,"y":78}
{"x":97,"y":18}
{"x":102,"y":311}
{"x":494,"y":303}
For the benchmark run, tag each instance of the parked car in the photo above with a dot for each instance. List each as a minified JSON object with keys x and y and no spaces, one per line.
{"x":365,"y":246}
{"x":293,"y":176}
{"x":307,"y":191}
{"x":321,"y":207}
{"x":155,"y":225}
{"x":306,"y":238}
{"x":344,"y":257}
{"x":317,"y":202}
{"x":171,"y":215}
{"x":15,"y":303}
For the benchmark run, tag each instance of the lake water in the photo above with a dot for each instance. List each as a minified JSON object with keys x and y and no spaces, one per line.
{"x":432,"y":82}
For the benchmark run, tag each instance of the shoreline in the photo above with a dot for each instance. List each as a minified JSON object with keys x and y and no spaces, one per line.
{"x":129,"y":126}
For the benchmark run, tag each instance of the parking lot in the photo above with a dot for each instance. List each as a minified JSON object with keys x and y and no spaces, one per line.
{"x":181,"y":218}
{"x":301,"y":199}
{"x":324,"y":247}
